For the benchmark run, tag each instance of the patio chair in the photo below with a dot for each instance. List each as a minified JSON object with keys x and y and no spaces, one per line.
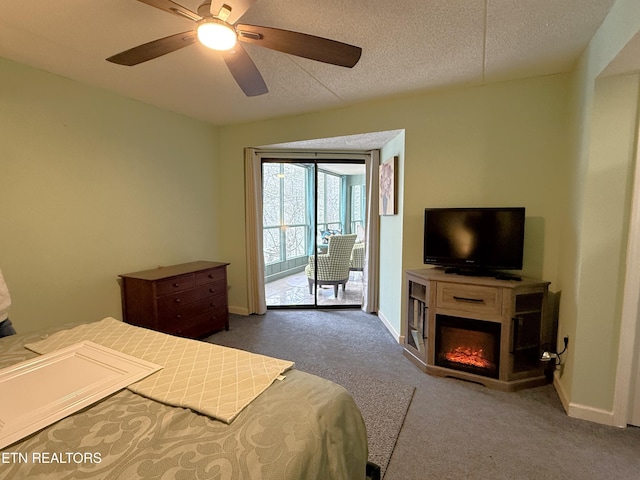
{"x":333,"y":266}
{"x":357,"y":257}
{"x":357,"y":254}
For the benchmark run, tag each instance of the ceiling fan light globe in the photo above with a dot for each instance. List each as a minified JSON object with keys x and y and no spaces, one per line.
{"x":216,"y":35}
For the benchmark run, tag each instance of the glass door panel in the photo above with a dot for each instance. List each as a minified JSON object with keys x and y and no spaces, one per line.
{"x":287,"y":224}
{"x":295,"y":194}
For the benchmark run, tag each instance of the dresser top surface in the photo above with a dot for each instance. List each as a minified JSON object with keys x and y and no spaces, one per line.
{"x":173,"y":270}
{"x":439,"y":275}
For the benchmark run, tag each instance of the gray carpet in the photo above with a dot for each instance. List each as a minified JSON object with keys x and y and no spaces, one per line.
{"x":453,"y":429}
{"x":383,"y":403}
{"x":373,"y":396}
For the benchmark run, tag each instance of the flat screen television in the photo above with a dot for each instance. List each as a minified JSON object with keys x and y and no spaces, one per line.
{"x":474,"y":240}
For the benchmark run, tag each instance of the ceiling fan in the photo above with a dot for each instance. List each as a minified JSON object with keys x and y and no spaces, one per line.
{"x":216,"y":28}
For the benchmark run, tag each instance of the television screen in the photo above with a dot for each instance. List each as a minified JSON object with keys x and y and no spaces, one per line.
{"x":474,"y":238}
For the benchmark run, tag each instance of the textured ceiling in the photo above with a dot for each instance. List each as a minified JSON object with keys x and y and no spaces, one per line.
{"x":363,"y":142}
{"x":408,"y":46}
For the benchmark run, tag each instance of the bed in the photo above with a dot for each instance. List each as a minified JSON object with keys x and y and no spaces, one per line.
{"x":299,"y":427}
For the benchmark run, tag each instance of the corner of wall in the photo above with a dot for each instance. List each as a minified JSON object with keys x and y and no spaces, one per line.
{"x":389,"y":326}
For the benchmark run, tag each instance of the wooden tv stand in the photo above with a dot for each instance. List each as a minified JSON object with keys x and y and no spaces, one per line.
{"x":516,"y":310}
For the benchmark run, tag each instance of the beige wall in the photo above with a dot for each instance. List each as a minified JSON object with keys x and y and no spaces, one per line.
{"x":496,"y":145}
{"x":607,"y":186}
{"x":602,"y":134}
{"x":94,"y":185}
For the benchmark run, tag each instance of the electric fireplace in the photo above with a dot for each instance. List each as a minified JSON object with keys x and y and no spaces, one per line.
{"x":468,"y":345}
{"x":480,"y":329}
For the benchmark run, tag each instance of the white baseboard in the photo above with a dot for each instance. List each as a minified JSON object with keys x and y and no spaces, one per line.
{"x":583,"y":412}
{"x":596,"y":415}
{"x":561,"y":393}
{"x":387,"y":324}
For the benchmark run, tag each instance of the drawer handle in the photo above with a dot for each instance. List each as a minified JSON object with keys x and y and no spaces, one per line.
{"x":176,"y":285}
{"x":210,"y":275}
{"x":212,"y":290}
{"x":468,"y":300}
{"x":212,"y":304}
{"x":178,"y":300}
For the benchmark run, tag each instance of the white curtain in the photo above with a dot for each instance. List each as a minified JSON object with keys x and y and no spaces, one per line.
{"x":253,"y":232}
{"x":372,"y":253}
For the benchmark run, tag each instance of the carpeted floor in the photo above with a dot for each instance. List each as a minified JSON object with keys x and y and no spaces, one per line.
{"x":271,"y":335}
{"x":453,"y":429}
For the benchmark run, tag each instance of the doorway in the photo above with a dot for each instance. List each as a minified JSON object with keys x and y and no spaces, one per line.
{"x":313,"y":229}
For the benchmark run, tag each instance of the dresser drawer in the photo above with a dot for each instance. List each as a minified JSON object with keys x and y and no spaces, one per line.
{"x":180,"y":299}
{"x":214,"y":275}
{"x":469,"y":298}
{"x":196,"y":327}
{"x":175,"y":284}
{"x":185,"y":312}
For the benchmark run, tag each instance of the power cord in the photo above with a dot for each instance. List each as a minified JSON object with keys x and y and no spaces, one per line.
{"x":566,"y":344}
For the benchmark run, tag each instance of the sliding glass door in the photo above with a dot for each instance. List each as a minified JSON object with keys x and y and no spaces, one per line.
{"x":313,"y":232}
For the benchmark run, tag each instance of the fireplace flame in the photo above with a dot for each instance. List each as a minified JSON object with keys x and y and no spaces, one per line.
{"x":468,"y":356}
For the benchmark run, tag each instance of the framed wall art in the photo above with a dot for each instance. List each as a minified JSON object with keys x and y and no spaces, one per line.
{"x":388,"y":196}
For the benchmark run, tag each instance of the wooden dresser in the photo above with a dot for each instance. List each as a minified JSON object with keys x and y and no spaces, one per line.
{"x":188,"y":300}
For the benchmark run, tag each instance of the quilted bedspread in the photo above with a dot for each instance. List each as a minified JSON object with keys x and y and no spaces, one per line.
{"x":304,"y":427}
{"x":214,"y":380}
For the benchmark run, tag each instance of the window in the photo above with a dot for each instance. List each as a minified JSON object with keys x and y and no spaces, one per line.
{"x":357,"y":207}
{"x":294,"y":210}
{"x":329,"y":201}
{"x":305,"y":201}
{"x":284,"y":218}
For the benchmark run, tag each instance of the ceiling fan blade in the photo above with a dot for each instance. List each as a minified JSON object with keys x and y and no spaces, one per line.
{"x":172,"y":7}
{"x":301,"y":45}
{"x":238,"y":8}
{"x":245,"y":71}
{"x":155,"y":49}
